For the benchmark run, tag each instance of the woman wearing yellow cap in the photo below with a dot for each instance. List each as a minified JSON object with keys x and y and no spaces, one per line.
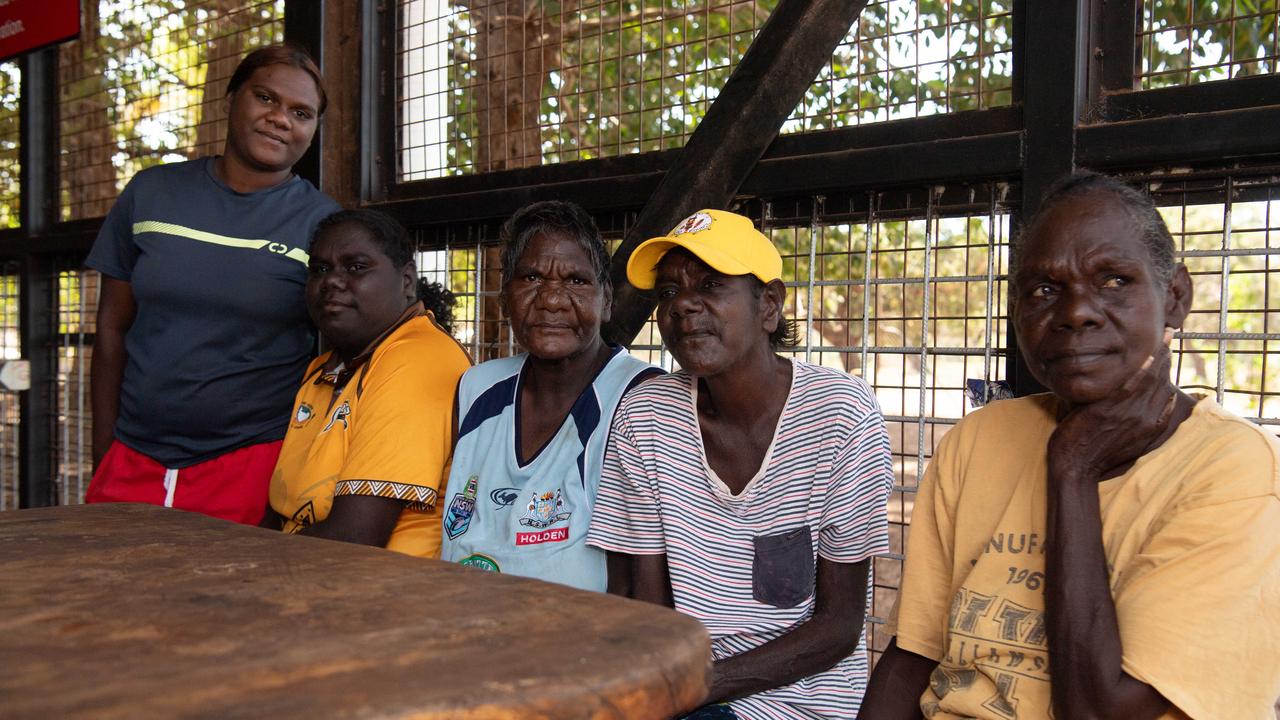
{"x":747,"y":489}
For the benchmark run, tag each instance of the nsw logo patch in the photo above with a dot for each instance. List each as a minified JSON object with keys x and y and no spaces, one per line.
{"x":463,"y":505}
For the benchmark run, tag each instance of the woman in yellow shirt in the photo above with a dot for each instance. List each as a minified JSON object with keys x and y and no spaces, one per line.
{"x":366,"y":451}
{"x":1105,"y":550}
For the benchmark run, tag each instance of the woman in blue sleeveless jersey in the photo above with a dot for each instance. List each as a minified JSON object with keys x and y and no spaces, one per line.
{"x":532,"y":428}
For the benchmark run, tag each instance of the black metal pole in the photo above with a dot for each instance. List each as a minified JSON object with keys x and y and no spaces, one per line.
{"x":798,"y":38}
{"x":1053,"y":43}
{"x":38,"y":199}
{"x":304,"y":25}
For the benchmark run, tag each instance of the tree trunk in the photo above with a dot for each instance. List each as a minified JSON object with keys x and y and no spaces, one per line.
{"x":89,"y":177}
{"x":514,"y":56}
{"x":226,"y":43}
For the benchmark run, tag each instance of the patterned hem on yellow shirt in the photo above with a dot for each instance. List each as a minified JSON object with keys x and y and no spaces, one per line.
{"x":415,"y":497}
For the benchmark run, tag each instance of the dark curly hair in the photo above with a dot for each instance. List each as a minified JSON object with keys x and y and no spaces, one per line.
{"x":439,"y":300}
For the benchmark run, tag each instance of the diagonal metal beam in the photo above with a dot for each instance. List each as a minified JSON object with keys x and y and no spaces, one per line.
{"x":799,"y":37}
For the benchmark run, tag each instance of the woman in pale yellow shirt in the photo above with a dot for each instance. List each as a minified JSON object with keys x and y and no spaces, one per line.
{"x":1109,"y":550}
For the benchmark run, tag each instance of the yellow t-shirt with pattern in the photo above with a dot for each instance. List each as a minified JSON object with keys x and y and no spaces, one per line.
{"x":387,"y":433}
{"x":1192,"y":540}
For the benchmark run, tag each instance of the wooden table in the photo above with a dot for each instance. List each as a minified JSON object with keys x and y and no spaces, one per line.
{"x":133,"y":611}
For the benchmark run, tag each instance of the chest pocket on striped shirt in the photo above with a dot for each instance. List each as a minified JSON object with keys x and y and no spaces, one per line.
{"x":782,"y":571}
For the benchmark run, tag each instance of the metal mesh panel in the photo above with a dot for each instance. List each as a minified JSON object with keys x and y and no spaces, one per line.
{"x":10,"y":129}
{"x":73,"y":436}
{"x":909,"y":294}
{"x":469,"y":268}
{"x":10,"y":349}
{"x":499,"y":84}
{"x":1191,"y":41}
{"x":144,"y":85}
{"x":1227,"y":232}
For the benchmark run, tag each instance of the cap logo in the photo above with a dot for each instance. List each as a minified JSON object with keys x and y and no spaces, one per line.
{"x":695,"y":223}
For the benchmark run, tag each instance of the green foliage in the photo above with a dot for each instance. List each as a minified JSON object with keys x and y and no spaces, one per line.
{"x":629,"y":77}
{"x":10,"y":90}
{"x":1193,"y":41}
{"x":138,"y":79}
{"x":895,"y":262}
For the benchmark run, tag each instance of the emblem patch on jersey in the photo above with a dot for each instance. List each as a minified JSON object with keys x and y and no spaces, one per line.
{"x":505,"y":497}
{"x":303,"y":517}
{"x":695,"y":223}
{"x":544,"y":510}
{"x":480,"y":562}
{"x":458,"y":517}
{"x":303,"y":415}
{"x":340,"y":414}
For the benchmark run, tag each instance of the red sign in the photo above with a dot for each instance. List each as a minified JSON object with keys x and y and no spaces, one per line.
{"x":29,"y":24}
{"x":546,"y":536}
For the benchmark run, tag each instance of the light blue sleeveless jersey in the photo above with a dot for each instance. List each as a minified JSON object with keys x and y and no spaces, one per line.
{"x":530,"y":520}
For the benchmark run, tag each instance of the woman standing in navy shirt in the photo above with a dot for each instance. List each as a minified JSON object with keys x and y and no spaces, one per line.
{"x":202,"y":334}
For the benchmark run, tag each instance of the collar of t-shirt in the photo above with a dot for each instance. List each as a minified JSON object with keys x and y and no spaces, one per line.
{"x":338,"y":373}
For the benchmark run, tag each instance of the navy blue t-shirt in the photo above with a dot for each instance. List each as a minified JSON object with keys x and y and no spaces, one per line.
{"x":221,"y":337}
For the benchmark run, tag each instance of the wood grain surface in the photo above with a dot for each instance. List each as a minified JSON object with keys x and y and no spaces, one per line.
{"x":133,"y":611}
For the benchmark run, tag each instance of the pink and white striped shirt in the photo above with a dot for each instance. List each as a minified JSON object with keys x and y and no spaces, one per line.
{"x":828,"y":471}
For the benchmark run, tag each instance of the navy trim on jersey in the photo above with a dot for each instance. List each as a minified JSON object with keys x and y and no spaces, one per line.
{"x":490,"y":404}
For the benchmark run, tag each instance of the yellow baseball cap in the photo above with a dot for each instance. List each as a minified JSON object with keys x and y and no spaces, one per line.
{"x":727,"y":242}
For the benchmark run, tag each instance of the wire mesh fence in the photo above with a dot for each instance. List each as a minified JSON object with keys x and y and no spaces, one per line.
{"x":498,"y":84}
{"x":144,"y":85}
{"x":1183,"y":42}
{"x":1228,"y":235}
{"x":908,"y":292}
{"x":10,"y":134}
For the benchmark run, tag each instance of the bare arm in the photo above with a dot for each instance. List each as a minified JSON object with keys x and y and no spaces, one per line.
{"x":359,"y":519}
{"x":817,"y":644}
{"x":648,"y":579}
{"x":116,"y":312}
{"x":1092,"y":443}
{"x":894,"y":691}
{"x":619,"y":567}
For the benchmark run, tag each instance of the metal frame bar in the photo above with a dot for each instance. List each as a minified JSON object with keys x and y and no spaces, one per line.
{"x":304,"y":25}
{"x":39,"y":202}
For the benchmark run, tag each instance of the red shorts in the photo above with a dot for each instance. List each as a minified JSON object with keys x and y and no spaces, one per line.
{"x":232,"y":486}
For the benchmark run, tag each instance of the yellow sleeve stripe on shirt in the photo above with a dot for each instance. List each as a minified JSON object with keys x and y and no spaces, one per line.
{"x":417,"y":496}
{"x":156,"y":226}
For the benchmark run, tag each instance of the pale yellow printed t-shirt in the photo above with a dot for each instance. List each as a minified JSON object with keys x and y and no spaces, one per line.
{"x":1192,"y":540}
{"x":388,"y":434}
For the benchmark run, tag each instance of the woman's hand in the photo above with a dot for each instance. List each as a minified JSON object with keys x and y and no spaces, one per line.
{"x":1096,"y":439}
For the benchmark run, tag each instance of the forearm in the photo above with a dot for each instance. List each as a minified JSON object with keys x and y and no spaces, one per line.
{"x":349,"y":533}
{"x":811,"y":647}
{"x":827,"y":637}
{"x":1083,"y":631}
{"x":896,"y":684}
{"x":105,"y":374}
{"x":359,"y":519}
{"x":116,"y":313}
